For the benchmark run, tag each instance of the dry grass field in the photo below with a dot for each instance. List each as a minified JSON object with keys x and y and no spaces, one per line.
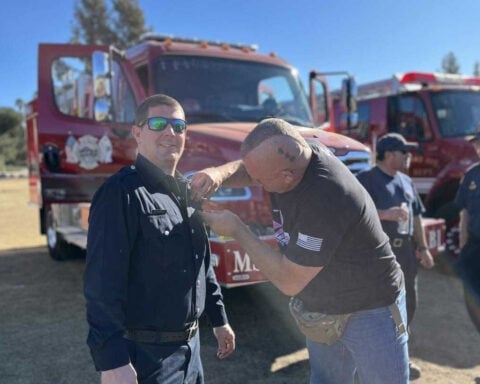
{"x":18,"y":220}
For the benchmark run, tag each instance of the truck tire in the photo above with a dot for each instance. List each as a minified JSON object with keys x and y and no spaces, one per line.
{"x":58,"y":248}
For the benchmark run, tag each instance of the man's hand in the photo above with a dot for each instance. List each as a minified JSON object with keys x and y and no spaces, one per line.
{"x":121,"y":375}
{"x":223,"y":223}
{"x":204,"y":183}
{"x":225,"y":339}
{"x":393,"y":214}
{"x":426,"y":259}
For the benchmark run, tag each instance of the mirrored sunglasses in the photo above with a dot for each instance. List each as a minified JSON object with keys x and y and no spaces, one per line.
{"x":159,"y":123}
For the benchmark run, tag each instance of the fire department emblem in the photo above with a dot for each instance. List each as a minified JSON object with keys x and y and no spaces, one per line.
{"x":87,"y":151}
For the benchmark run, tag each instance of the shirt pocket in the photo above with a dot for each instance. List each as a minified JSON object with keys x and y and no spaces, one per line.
{"x":163,"y":238}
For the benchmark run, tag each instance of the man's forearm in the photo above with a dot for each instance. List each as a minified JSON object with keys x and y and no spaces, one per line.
{"x":234,"y":174}
{"x":462,"y":226}
{"x":284,"y":274}
{"x":419,"y":232}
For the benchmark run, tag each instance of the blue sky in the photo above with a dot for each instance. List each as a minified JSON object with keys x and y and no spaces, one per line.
{"x":371,"y":39}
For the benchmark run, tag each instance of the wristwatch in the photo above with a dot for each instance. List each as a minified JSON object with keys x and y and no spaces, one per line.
{"x":423,"y":248}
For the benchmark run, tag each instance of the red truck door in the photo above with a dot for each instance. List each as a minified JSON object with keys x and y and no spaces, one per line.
{"x":408,"y":115}
{"x":76,"y":153}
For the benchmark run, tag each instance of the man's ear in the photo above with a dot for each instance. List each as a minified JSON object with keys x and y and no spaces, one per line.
{"x":136,"y":131}
{"x":288,"y":175}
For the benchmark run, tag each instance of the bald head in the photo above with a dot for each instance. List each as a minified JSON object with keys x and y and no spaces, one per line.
{"x":276,"y":155}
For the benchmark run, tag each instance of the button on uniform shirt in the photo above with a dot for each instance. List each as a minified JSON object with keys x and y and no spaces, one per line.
{"x":148,"y":261}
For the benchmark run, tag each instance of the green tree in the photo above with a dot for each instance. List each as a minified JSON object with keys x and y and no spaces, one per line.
{"x":91,"y":25}
{"x":95,"y":23}
{"x":128,"y":24}
{"x":12,"y":137}
{"x":450,"y":64}
{"x":476,"y":69}
{"x":9,"y":120}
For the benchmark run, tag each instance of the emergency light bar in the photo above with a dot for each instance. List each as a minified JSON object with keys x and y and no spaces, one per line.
{"x":170,"y":38}
{"x":437,"y":78}
{"x":413,"y":82}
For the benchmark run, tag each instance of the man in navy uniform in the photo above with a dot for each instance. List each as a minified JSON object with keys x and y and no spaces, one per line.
{"x":468,"y":199}
{"x":148,"y":275}
{"x":399,"y":208}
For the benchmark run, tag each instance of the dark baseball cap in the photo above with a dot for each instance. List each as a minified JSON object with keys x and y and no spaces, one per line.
{"x":394,"y":142}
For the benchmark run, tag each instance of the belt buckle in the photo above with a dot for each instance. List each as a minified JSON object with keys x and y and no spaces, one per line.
{"x":397,"y":243}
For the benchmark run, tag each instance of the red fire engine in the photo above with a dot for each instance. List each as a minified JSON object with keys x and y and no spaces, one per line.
{"x":78,"y":128}
{"x":440,"y":112}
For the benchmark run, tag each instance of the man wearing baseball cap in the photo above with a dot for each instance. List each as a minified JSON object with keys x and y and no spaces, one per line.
{"x":468,"y":200}
{"x":399,"y":208}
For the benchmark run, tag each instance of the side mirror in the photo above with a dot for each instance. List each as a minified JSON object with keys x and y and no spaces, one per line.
{"x":348,"y":99}
{"x":101,"y":86}
{"x":102,"y":109}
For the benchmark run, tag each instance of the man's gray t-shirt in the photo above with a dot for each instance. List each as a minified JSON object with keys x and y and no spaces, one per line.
{"x":329,"y":220}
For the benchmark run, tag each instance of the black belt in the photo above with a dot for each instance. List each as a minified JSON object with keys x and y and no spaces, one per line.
{"x":158,"y":337}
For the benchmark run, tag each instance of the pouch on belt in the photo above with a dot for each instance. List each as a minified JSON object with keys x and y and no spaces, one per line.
{"x":319,"y":327}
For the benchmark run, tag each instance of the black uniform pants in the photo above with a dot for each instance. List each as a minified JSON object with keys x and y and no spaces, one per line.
{"x":468,"y":267}
{"x":405,"y":253}
{"x":167,"y":363}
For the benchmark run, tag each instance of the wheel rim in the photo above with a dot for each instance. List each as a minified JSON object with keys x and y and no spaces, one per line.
{"x":51,"y":231}
{"x":51,"y":237}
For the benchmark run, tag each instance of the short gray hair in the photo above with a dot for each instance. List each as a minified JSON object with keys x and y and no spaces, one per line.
{"x":269,"y":128}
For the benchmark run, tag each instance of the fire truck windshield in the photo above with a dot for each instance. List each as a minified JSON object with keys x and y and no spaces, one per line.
{"x":457,"y":112}
{"x":219,"y":90}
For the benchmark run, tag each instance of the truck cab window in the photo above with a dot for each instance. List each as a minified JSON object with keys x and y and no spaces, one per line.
{"x":362,"y":129}
{"x":73,"y":84}
{"x":142,"y":73}
{"x":407,"y":116}
{"x":457,"y":112}
{"x":72,"y":81}
{"x":219,"y":90}
{"x":123,"y":101}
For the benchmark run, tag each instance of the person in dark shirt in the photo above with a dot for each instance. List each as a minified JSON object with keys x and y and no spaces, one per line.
{"x":148,"y":275}
{"x":468,"y":264}
{"x":400,"y":210}
{"x":336,"y":263}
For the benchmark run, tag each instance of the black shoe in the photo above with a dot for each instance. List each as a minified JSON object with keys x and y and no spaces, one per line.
{"x":415,"y":371}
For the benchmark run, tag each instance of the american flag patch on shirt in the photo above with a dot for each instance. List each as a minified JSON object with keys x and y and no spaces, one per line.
{"x":309,"y":242}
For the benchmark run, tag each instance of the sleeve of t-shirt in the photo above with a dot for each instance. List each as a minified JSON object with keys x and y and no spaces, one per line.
{"x":418,"y":207}
{"x":316,"y":233}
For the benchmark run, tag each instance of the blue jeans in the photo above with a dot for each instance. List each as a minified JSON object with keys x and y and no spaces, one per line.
{"x":371,"y":346}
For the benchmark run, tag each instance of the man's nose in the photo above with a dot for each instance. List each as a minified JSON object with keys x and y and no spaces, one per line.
{"x":169,"y":130}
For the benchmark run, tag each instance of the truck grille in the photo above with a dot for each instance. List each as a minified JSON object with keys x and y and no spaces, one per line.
{"x":356,"y":161}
